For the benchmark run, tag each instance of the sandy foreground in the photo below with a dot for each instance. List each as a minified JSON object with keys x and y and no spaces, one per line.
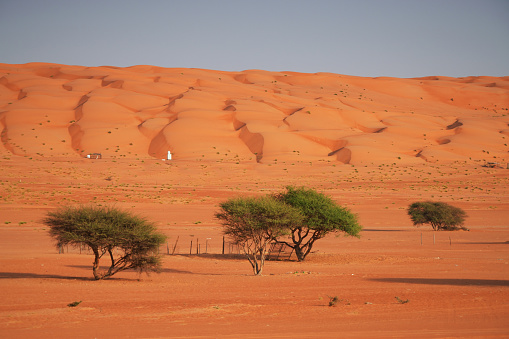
{"x":457,"y":283}
{"x":384,"y":144}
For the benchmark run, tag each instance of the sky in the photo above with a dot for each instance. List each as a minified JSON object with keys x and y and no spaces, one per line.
{"x":371,"y":38}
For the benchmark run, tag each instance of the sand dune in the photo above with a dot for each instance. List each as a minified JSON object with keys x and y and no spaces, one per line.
{"x":247,"y":134}
{"x":145,"y":111}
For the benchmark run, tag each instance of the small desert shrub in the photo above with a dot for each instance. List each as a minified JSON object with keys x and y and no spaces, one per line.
{"x":440,"y":215}
{"x":74,"y":303}
{"x":333,"y":300}
{"x":401,"y":301}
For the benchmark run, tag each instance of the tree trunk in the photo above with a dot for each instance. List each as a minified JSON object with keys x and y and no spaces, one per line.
{"x":298,"y":252}
{"x":256,"y":256}
{"x":112,"y":266}
{"x":95,"y":266}
{"x":257,"y":268}
{"x":301,"y":251}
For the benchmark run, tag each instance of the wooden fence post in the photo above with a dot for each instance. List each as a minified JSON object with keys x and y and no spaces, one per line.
{"x":174,"y":247}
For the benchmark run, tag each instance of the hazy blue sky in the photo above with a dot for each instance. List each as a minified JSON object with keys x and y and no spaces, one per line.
{"x":401,"y":38}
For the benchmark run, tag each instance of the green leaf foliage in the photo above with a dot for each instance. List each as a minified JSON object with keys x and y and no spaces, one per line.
{"x":320,"y":212}
{"x":440,"y":215}
{"x":104,"y":229}
{"x":265,"y":216}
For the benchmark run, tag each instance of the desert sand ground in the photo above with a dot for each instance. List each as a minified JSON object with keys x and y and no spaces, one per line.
{"x":384,"y":144}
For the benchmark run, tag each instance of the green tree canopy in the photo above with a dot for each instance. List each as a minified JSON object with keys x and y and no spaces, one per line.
{"x":440,"y":215}
{"x":104,"y":229}
{"x":254,"y":222}
{"x":321,"y":215}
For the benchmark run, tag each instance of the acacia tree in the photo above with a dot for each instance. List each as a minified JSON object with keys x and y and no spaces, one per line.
{"x":253,"y":223}
{"x":440,"y":215}
{"x":321,"y":216}
{"x":104,"y":229}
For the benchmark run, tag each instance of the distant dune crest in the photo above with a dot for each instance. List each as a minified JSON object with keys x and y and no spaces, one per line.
{"x":52,"y":110}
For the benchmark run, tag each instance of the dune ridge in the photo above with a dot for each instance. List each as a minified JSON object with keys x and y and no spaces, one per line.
{"x":52,"y":110}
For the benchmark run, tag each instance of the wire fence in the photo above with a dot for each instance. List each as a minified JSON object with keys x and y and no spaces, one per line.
{"x":196,"y":246}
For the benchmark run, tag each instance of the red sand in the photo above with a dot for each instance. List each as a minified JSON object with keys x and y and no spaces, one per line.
{"x":374,"y":145}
